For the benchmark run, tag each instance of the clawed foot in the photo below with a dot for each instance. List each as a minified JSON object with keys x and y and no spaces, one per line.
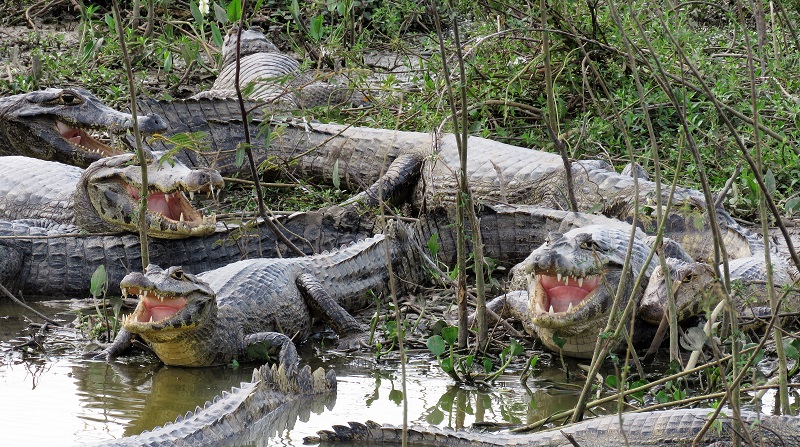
{"x":352,"y":342}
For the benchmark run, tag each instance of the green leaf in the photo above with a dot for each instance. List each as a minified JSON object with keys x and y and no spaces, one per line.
{"x":222,"y":17}
{"x":336,"y":180}
{"x":216,"y":35}
{"x":447,"y":365}
{"x":240,"y":152}
{"x":769,"y":182}
{"x":515,"y":348}
{"x":112,"y":26}
{"x":450,"y":334}
{"x":662,"y":397}
{"x":198,"y":18}
{"x":433,"y":244}
{"x":792,"y":205}
{"x":315,"y":28}
{"x":259,"y":351}
{"x":468,"y":361}
{"x":234,"y":10}
{"x":167,"y":61}
{"x":436,"y":345}
{"x":560,"y":342}
{"x":789,"y":349}
{"x":295,"y":9}
{"x":611,"y":381}
{"x":97,"y":285}
{"x":487,"y":365}
{"x":534,"y":360}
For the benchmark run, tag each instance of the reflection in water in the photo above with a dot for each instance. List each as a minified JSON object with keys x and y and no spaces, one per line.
{"x":87,"y":401}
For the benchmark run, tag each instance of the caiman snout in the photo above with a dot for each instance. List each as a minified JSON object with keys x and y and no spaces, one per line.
{"x":152,"y":123}
{"x":205,"y":177}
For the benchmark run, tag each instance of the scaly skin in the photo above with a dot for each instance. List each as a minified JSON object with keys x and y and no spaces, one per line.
{"x":55,"y":124}
{"x":222,"y":315}
{"x":105,"y":196}
{"x":656,"y":428}
{"x":41,"y":258}
{"x":275,"y":78}
{"x":498,"y":173}
{"x":270,"y":401}
{"x":697,"y":290}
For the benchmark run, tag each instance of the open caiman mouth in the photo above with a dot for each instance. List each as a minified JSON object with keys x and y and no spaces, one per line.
{"x":154,"y":308}
{"x":562,"y":300}
{"x":174,"y":208}
{"x":83,"y":141}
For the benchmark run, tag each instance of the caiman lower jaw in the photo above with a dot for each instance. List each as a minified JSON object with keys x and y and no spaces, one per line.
{"x":554,"y":297}
{"x":171,"y":212}
{"x":84,"y":142}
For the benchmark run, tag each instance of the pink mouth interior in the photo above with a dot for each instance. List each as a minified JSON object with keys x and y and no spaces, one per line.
{"x":560,"y":296}
{"x":158,"y":309}
{"x":74,"y":135}
{"x":157,"y":202}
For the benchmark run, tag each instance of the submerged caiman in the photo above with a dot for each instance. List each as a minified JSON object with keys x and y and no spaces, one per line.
{"x":104,"y":198}
{"x":668,"y":427}
{"x":56,"y":124}
{"x":421,"y":165}
{"x":239,"y":311}
{"x":270,"y":402}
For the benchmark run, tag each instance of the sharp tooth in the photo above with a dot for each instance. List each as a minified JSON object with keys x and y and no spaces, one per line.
{"x":181,"y":217}
{"x":191,"y":195}
{"x":166,"y":198}
{"x":151,"y":318}
{"x":558,"y":277}
{"x":580,"y":281}
{"x":566,"y":280}
{"x":124,"y":292}
{"x":569,"y":309}
{"x":551,"y":310}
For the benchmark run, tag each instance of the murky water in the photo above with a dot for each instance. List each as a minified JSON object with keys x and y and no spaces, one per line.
{"x":58,"y":398}
{"x":61,"y":399}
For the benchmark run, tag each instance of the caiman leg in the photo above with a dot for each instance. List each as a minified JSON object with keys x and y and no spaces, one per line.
{"x":396,"y":184}
{"x":512,"y":305}
{"x":321,"y":303}
{"x":287,"y":354}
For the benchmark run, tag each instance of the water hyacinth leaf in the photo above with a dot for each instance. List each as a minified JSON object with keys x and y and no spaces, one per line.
{"x":450,"y":334}
{"x":396,"y":396}
{"x":515,"y":348}
{"x":167,"y":61}
{"x":792,"y":205}
{"x":612,"y":382}
{"x":487,"y":365}
{"x":468,"y":361}
{"x":435,"y":417}
{"x":99,"y":281}
{"x":447,"y":365}
{"x":436,"y":345}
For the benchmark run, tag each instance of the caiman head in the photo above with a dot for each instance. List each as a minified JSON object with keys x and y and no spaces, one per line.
{"x":64,"y":125}
{"x":691,"y":282}
{"x":572,"y":281}
{"x":107,"y":197}
{"x":172,"y":303}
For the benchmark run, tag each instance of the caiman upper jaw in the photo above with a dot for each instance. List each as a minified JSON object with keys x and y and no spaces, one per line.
{"x":557,"y":300}
{"x":93,"y":148}
{"x":173,"y":208}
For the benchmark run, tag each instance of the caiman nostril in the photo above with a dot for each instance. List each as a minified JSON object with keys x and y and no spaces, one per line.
{"x":152,"y":123}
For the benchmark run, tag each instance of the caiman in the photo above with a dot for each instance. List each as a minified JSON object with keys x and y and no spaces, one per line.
{"x":269,"y":402}
{"x":416,"y":164}
{"x":41,"y":258}
{"x":270,"y":76}
{"x":573,"y":277}
{"x":104,"y":198}
{"x":57,"y":124}
{"x":669,"y":427}
{"x":696,"y":288}
{"x":237,"y":311}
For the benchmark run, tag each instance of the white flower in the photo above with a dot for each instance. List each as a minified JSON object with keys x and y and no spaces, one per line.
{"x":203,"y":6}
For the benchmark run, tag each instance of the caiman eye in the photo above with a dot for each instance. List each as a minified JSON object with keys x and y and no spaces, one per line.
{"x":590,"y":245}
{"x":689,"y":277}
{"x":177,"y":274}
{"x":68,"y":98}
